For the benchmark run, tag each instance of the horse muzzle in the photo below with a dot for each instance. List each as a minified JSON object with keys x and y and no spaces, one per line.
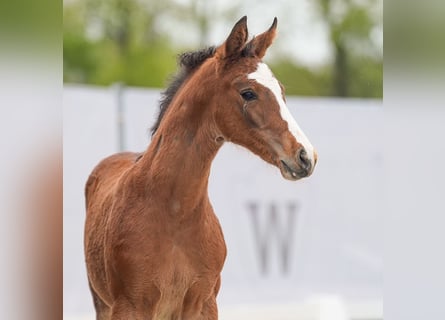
{"x":300,"y":166}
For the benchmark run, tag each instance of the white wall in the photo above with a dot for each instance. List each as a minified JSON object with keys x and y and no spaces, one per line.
{"x":331,"y":222}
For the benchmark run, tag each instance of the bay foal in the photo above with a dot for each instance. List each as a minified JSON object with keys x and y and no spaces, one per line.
{"x":153,"y":245}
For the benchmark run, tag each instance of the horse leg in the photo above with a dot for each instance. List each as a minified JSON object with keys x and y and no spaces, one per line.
{"x":209,"y":310}
{"x":197,"y":309}
{"x":102,"y":309}
{"x":122,"y":309}
{"x":144,"y":309}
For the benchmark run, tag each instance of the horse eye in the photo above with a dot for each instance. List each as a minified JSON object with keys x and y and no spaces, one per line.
{"x":248,"y":95}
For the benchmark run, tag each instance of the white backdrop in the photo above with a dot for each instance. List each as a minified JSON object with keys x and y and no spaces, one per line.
{"x":289,"y":243}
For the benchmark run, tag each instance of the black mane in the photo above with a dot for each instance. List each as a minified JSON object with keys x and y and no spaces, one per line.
{"x":188,"y":62}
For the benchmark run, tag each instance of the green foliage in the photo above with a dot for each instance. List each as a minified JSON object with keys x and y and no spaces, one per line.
{"x":299,"y":80}
{"x":108,"y":41}
{"x":127,"y":48}
{"x":79,"y":60}
{"x":367,"y":75}
{"x":357,"y":67}
{"x":102,"y":63}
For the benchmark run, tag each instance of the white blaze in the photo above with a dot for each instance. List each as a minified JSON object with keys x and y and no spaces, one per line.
{"x":263,"y":75}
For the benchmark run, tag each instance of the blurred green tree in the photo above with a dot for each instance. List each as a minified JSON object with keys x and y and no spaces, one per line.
{"x":116,"y":40}
{"x":357,"y":66}
{"x":107,"y":41}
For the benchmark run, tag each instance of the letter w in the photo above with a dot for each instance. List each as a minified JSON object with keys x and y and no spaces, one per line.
{"x":282,"y":233}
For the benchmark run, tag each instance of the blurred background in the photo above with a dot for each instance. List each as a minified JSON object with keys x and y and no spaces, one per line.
{"x":306,"y":250}
{"x":324,"y":47}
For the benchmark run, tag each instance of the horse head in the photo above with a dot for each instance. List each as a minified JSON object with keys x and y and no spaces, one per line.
{"x":250,"y":107}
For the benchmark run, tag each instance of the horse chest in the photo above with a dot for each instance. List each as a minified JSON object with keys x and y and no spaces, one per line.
{"x":194,"y":255}
{"x":186,"y":280}
{"x":182,"y":269}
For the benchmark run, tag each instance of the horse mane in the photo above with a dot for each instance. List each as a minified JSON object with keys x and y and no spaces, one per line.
{"x":188,"y":62}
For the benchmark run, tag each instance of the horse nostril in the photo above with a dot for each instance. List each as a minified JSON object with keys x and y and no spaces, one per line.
{"x":305,"y":162}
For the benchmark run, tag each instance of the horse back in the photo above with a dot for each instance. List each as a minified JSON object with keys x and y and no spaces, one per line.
{"x":106,"y":174}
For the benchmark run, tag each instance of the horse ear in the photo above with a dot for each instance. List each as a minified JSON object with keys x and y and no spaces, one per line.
{"x":260,"y":43}
{"x":236,"y":40}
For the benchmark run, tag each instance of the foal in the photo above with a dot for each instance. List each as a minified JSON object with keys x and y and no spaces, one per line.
{"x":153,"y":245}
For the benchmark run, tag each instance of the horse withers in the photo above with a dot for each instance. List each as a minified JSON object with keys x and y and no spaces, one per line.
{"x":154,"y":247}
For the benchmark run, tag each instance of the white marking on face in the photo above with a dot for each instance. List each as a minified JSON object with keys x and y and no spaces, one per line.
{"x":264,"y":76}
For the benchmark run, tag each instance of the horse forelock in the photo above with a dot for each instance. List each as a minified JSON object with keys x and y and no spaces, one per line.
{"x":188,"y":62}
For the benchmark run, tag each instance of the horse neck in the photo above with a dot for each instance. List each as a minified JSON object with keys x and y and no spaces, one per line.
{"x":177,"y":163}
